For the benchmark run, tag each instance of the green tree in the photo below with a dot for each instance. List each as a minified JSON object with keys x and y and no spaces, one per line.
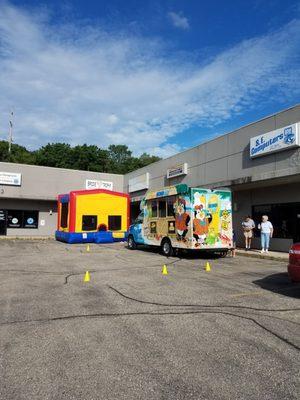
{"x":116,"y":159}
{"x":89,"y":158}
{"x":57,"y":155}
{"x":19,"y":154}
{"x":120,"y":158}
{"x":4,"y":156}
{"x":146,"y":159}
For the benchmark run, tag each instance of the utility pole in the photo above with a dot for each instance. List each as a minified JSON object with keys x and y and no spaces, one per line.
{"x":10,"y":134}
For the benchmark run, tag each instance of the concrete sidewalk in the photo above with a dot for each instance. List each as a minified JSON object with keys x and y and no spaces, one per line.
{"x":271,"y":255}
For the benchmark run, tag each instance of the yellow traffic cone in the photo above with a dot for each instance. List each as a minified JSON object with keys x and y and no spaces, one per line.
{"x":207,"y":268}
{"x":88,"y":248}
{"x":164,"y":270}
{"x":87,"y":277}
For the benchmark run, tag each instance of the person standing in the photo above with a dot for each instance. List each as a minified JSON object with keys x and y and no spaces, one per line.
{"x":248,"y":226}
{"x":266,"y":232}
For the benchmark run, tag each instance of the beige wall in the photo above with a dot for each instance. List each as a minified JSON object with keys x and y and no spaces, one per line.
{"x":39,"y":189}
{"x":45,"y":183}
{"x":225,"y":160}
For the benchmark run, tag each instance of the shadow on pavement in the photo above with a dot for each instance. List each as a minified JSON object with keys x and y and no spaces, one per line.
{"x":199,"y":254}
{"x":281,"y":284}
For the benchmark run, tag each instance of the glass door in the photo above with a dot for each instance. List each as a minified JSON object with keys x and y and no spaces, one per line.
{"x":3,"y":222}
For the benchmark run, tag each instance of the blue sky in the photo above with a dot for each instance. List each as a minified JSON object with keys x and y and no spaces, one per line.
{"x":159,"y":76}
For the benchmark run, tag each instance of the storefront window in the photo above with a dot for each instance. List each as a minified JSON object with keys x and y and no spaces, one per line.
{"x":134,"y":210}
{"x":22,"y":219}
{"x":30,"y":219}
{"x":284,"y":217}
{"x":14,"y":219}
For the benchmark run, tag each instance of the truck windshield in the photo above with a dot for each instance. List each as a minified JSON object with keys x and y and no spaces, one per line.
{"x":139,"y":219}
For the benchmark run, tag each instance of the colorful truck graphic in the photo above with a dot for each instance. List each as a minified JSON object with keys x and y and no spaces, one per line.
{"x":183,"y":217}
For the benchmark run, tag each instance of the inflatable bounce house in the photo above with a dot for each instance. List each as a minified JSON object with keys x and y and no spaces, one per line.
{"x":86,"y":216}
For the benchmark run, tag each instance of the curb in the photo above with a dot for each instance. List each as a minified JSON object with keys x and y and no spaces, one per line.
{"x":26,"y":238}
{"x":283,"y":258}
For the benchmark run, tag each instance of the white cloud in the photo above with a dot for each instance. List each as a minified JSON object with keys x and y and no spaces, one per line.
{"x":112,"y":119}
{"x":82,"y":84}
{"x":178,"y":20}
{"x":165,"y":150}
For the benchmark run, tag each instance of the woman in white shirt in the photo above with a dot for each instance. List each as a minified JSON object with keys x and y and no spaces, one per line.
{"x":266,"y":232}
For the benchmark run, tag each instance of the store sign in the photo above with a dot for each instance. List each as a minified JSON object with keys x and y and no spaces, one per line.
{"x":177,"y":171}
{"x":278,"y":140}
{"x":94,"y":184}
{"x":139,"y":183}
{"x":10,"y":178}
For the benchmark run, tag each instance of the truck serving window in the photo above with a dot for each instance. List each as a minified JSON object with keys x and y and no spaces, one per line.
{"x":89,"y":222}
{"x":170,"y":206}
{"x":162,"y":208}
{"x":153,"y":209}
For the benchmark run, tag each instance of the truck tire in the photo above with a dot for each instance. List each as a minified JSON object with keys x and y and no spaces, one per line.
{"x":131,"y":243}
{"x":224,"y":253}
{"x":166,"y":247}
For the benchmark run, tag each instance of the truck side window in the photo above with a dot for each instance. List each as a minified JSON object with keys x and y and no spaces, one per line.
{"x":140,"y":218}
{"x":170,"y":206}
{"x":162,"y":208}
{"x":153,"y":208}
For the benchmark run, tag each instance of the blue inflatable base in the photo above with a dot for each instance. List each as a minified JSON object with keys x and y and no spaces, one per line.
{"x":88,"y":237}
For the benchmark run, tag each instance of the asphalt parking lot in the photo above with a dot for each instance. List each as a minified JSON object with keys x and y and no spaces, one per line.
{"x":132,"y":333}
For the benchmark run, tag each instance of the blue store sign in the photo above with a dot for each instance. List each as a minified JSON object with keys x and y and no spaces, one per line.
{"x":278,"y":140}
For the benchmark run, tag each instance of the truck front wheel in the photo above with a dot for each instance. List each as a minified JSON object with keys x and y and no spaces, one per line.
{"x":131,"y":243}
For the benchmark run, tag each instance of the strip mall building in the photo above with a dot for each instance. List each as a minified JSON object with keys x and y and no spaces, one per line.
{"x":259,"y":162}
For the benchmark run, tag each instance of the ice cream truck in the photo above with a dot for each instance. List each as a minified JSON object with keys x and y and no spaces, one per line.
{"x":182,"y":217}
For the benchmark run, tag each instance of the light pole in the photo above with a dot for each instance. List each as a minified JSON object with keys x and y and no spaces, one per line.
{"x":10,"y":133}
